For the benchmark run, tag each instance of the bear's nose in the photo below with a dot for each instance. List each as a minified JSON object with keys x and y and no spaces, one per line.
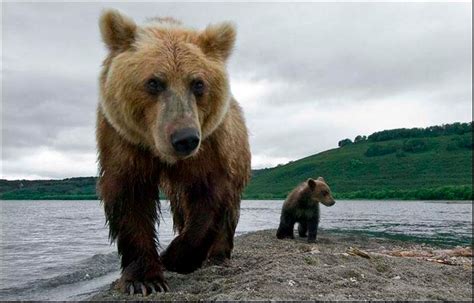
{"x":185,"y":141}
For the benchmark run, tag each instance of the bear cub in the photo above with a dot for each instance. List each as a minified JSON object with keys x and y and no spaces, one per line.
{"x":302,"y":207}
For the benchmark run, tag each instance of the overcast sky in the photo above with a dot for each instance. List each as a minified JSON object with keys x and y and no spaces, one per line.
{"x":306,"y":75}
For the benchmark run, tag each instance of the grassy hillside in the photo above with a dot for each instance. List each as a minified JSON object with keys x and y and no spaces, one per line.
{"x":67,"y":189}
{"x":442,"y":169}
{"x":431,"y":163}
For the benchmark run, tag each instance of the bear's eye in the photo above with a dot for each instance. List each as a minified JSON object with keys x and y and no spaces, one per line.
{"x":155,"y":86}
{"x":325,"y":193}
{"x":198,"y":87}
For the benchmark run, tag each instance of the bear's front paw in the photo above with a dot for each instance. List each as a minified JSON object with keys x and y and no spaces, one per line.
{"x":283,"y":233}
{"x":144,"y":287}
{"x":137,"y":277}
{"x":181,"y":258}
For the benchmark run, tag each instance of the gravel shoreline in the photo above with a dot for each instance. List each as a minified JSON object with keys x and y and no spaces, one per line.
{"x":337,"y":267}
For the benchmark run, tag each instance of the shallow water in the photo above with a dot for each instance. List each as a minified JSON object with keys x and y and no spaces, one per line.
{"x":59,"y":250}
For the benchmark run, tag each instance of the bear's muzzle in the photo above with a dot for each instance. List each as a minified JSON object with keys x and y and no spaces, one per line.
{"x":185,"y":141}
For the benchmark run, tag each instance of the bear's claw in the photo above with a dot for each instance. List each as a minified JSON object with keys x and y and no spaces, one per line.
{"x":146,"y":287}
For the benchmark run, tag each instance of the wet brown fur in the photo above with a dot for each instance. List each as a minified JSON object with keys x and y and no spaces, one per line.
{"x":135,"y":156}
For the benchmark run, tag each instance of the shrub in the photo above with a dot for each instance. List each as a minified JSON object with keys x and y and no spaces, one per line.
{"x":452,"y":146}
{"x":360,"y":139}
{"x":344,"y":142}
{"x":380,"y":150}
{"x":354,"y":163}
{"x":465,"y":142}
{"x":415,"y":146}
{"x":400,"y":154}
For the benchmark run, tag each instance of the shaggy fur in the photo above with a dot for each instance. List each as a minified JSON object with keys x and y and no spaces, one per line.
{"x":302,"y":206}
{"x":136,"y":156}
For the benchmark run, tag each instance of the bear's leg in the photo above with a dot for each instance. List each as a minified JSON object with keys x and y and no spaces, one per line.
{"x":285,"y":230}
{"x":302,"y":229}
{"x":204,"y":211}
{"x":312,"y":229}
{"x":131,"y":209}
{"x":222,"y":247}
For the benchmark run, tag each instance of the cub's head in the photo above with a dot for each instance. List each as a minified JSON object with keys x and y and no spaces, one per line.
{"x":164,"y":86}
{"x":320,"y":191}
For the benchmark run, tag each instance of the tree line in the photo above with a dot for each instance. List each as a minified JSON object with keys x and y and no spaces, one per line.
{"x":457,"y":128}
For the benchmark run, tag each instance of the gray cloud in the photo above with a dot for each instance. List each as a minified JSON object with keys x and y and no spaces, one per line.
{"x":307,"y":74}
{"x":39,"y":107}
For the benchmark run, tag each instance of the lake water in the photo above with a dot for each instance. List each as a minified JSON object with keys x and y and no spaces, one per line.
{"x":59,"y":250}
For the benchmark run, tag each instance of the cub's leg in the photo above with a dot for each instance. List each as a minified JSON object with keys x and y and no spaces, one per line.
{"x":287,"y":224}
{"x":312,"y":229}
{"x":302,"y":229}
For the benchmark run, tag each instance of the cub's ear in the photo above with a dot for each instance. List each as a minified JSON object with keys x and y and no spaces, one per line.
{"x":118,"y":31}
{"x":217,"y":41}
{"x":321,"y":179}
{"x":311,"y":183}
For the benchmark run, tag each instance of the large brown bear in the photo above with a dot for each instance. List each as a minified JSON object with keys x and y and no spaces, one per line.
{"x":302,"y":207}
{"x":166,"y":118}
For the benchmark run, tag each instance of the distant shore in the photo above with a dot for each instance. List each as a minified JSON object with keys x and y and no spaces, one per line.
{"x":68,"y":198}
{"x":445,"y":193}
{"x":337,"y":267}
{"x":94,"y":198}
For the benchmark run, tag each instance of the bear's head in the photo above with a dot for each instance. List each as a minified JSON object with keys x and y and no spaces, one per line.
{"x":320,"y":191}
{"x":164,"y":86}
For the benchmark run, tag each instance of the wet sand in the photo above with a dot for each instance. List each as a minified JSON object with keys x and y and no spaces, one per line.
{"x":337,"y":267}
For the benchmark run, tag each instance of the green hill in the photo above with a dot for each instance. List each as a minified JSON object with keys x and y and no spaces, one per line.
{"x":419,"y":163}
{"x":395,"y":164}
{"x":66,"y":189}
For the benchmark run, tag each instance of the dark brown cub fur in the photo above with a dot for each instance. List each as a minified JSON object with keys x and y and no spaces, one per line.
{"x":302,"y":206}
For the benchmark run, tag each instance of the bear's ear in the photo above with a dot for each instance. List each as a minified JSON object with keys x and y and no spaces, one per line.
{"x":311,"y":183}
{"x":217,"y":41}
{"x":118,"y":31}
{"x":321,"y":179}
